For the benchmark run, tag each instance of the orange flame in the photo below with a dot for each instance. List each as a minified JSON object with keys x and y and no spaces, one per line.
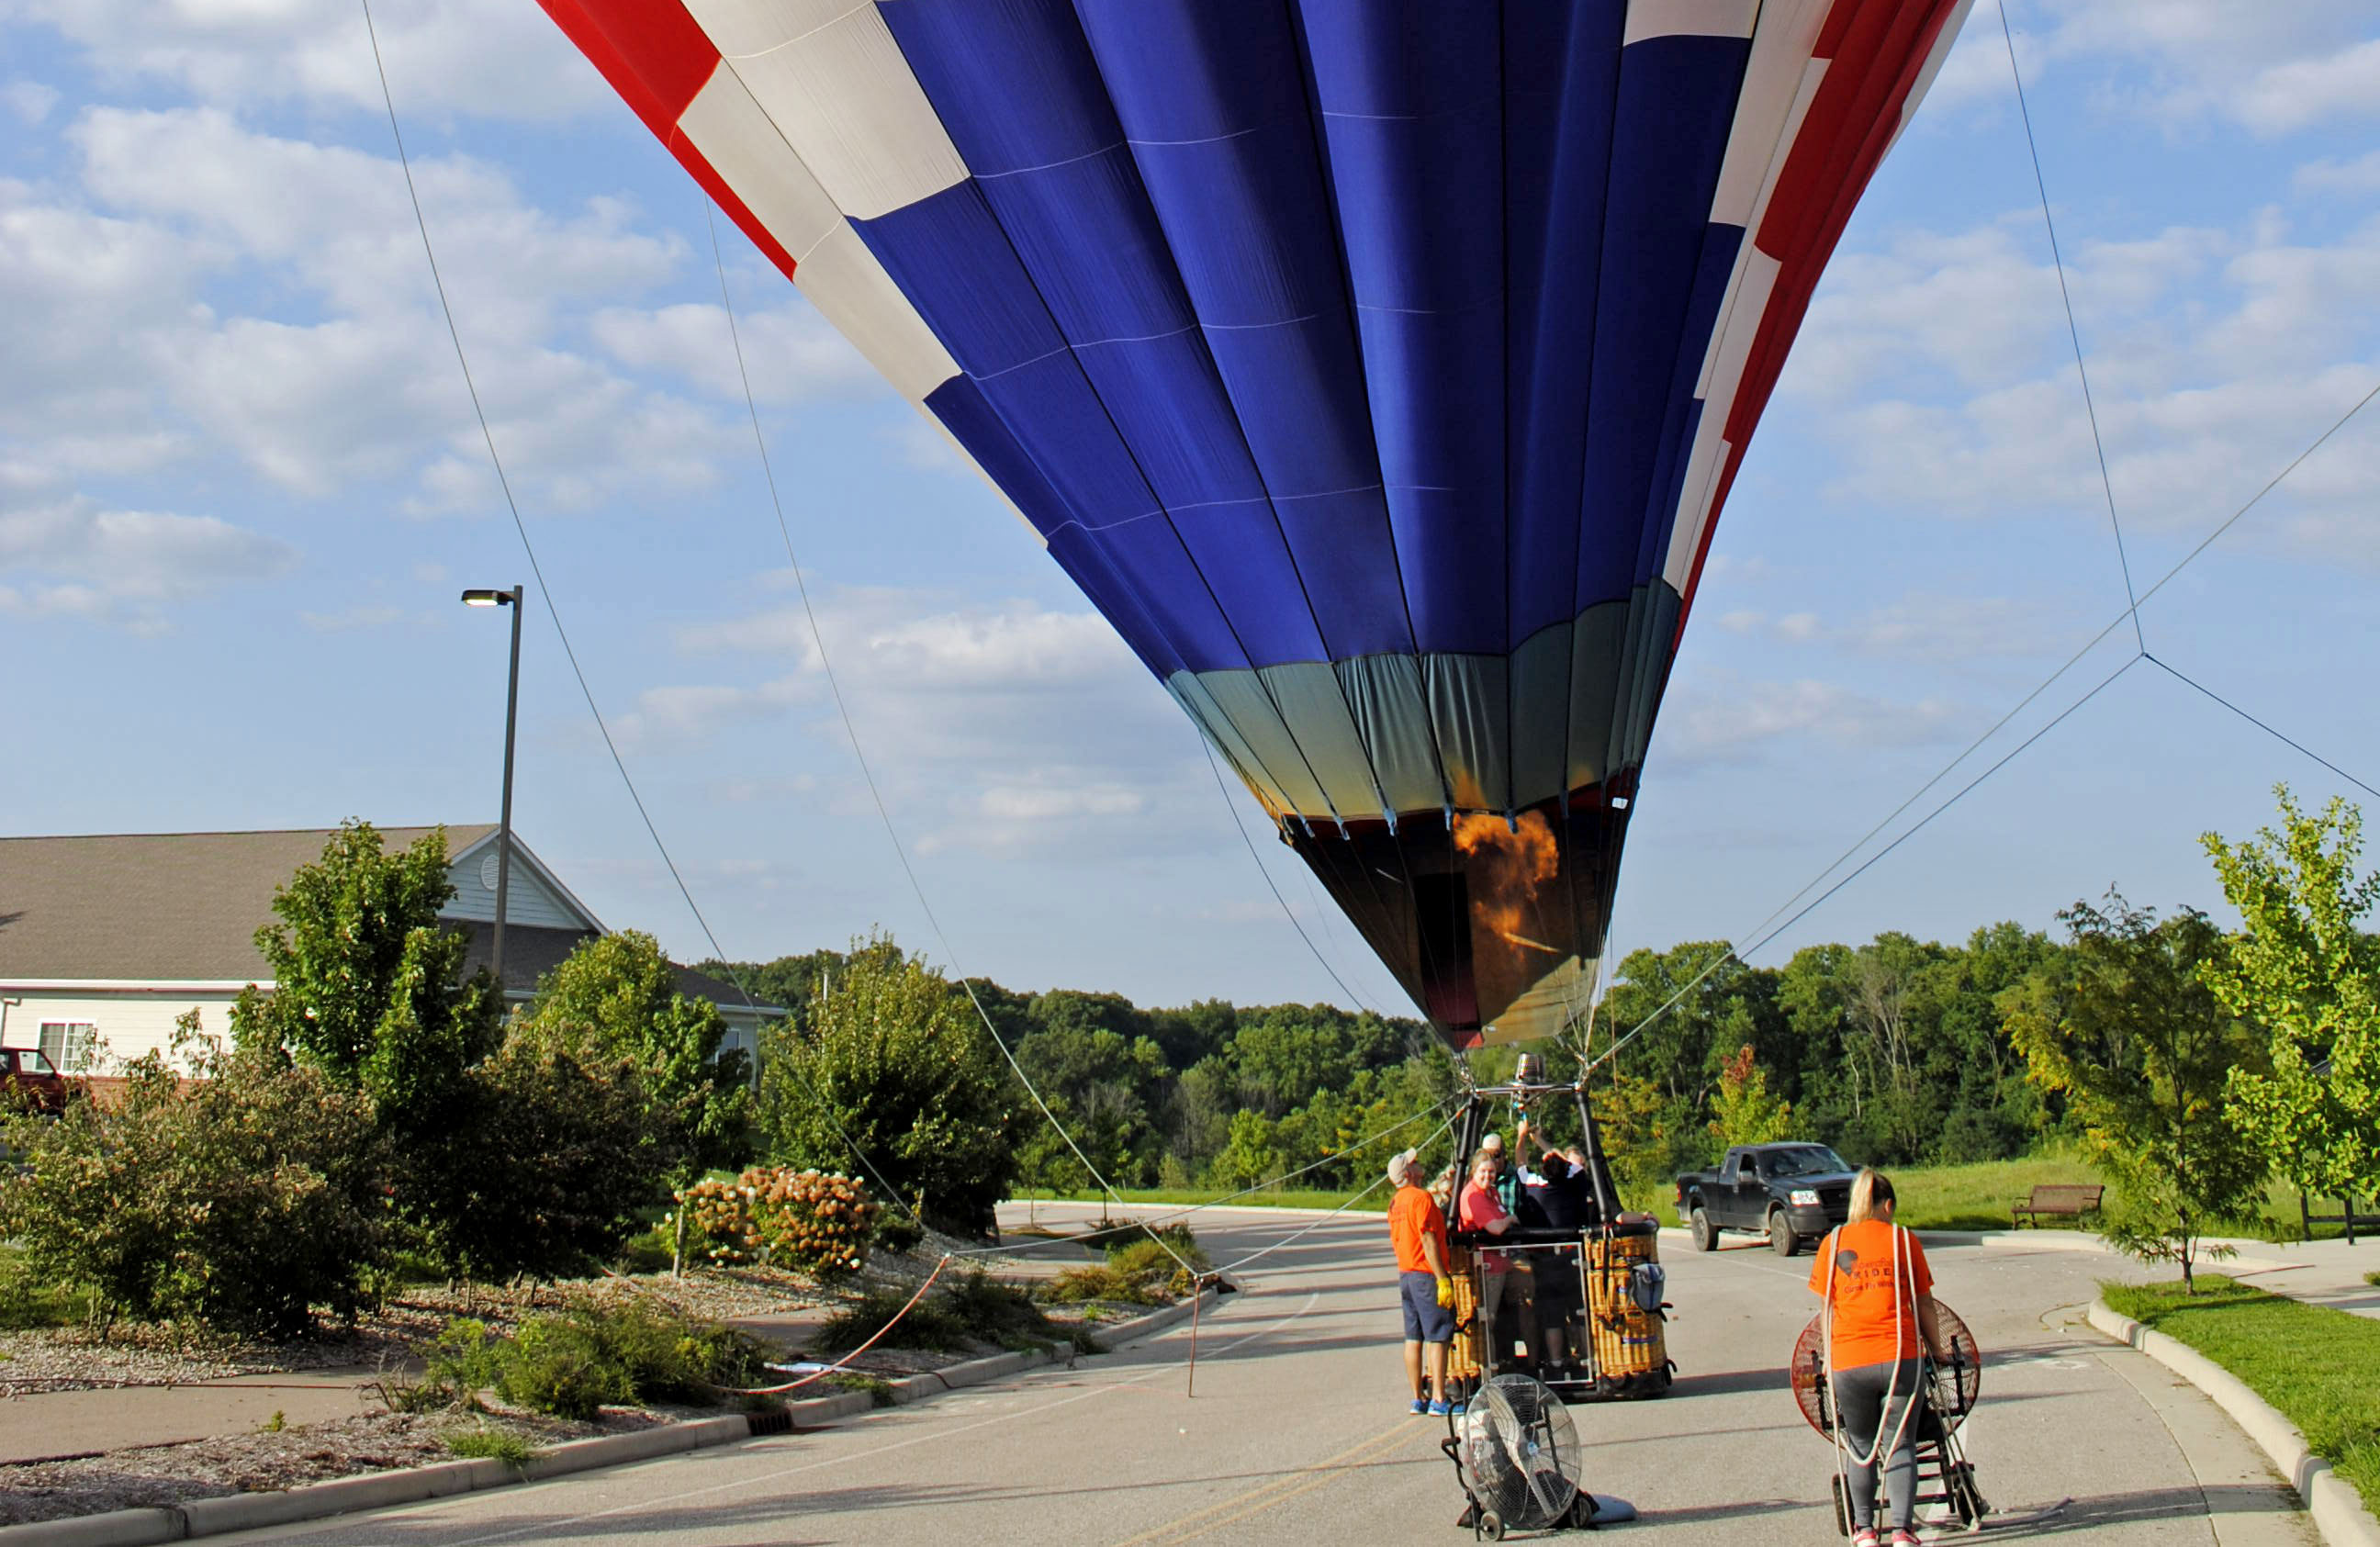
{"x":1512,"y":867}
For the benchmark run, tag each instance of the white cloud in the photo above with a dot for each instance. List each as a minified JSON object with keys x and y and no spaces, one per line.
{"x":2298,"y":92}
{"x":1940,"y":366}
{"x":679,"y":716}
{"x":1725,"y":718}
{"x":29,"y":102}
{"x":488,"y":58}
{"x":993,"y":727}
{"x":2270,"y":68}
{"x":793,"y":353}
{"x":66,"y":554}
{"x":2359,"y":175}
{"x":1919,"y":627}
{"x":333,"y":367}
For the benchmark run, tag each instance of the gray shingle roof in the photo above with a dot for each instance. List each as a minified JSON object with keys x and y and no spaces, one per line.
{"x":183,"y":906}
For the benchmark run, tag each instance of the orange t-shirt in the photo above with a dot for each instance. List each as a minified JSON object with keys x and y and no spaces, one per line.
{"x":1865,"y":1292}
{"x":1413,"y":1215}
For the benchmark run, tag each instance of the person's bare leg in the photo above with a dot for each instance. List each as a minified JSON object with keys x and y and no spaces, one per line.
{"x":1413,"y":1367}
{"x":1434,"y":1355}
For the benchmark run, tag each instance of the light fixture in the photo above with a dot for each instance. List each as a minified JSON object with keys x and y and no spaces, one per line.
{"x":487,"y":599}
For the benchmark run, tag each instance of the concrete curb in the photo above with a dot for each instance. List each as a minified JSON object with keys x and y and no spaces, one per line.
{"x":242,"y":1511}
{"x":2337,"y":1510}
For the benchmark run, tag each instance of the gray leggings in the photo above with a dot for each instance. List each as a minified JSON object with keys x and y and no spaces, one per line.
{"x":1860,"y":1392}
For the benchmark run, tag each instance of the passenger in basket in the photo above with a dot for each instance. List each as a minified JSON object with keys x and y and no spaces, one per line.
{"x":1417,"y":1230}
{"x":1551,"y":1201}
{"x":1482,"y":1210}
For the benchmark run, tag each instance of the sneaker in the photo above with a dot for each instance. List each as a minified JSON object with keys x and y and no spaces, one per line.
{"x":1420,"y":1406}
{"x":1904,"y":1538}
{"x":1864,"y":1537}
{"x":1445,"y":1409}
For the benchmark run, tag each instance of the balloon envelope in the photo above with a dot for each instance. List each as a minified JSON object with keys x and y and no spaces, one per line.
{"x":1377,"y":368}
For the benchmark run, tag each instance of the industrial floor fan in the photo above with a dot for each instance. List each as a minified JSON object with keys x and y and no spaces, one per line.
{"x":1518,"y":1454}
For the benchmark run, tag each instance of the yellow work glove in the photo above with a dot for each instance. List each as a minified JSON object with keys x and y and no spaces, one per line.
{"x":1446,"y":1291}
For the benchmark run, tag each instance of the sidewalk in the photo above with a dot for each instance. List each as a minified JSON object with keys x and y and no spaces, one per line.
{"x":2320,"y":1272}
{"x":56,"y":1424}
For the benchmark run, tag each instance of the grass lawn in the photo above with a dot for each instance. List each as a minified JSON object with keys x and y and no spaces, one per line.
{"x":2320,"y":1367}
{"x":1974,"y":1197}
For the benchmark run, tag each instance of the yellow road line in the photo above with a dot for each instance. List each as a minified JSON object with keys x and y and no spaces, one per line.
{"x":1189,"y":1527}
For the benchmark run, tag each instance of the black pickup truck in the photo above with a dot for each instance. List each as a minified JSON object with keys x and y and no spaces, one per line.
{"x":1793,"y":1192}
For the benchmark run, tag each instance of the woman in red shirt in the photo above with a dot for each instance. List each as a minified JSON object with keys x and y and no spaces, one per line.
{"x":1879,"y":1311}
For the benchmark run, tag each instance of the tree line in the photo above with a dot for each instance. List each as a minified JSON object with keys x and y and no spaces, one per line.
{"x":380,"y":1112}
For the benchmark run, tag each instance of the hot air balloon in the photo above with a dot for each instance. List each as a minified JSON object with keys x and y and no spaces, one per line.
{"x":1377,"y":368}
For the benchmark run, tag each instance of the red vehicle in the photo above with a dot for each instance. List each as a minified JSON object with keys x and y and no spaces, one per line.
{"x":29,"y":1079}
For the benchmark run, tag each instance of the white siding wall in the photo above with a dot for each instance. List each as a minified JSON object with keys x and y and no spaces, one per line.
{"x":529,"y":901}
{"x":129,"y":1024}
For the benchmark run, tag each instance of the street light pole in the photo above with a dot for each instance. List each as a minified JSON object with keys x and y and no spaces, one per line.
{"x":511,"y":599}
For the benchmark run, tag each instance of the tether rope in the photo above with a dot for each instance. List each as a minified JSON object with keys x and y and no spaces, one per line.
{"x":2073,"y":332}
{"x":1342,"y":1208}
{"x":1233,"y":806}
{"x":1185,"y":1211}
{"x":545,"y":594}
{"x":859,"y":755}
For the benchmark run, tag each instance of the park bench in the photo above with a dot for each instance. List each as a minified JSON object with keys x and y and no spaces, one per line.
{"x":2057,"y":1201}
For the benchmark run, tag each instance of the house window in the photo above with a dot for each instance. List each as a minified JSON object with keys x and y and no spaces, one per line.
{"x":68,"y":1044}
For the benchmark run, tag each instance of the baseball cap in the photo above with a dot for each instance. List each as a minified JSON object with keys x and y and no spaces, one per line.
{"x":1401,"y":1166}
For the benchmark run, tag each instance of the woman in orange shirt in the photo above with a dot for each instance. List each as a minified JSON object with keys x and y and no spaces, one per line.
{"x":1880,"y":1312}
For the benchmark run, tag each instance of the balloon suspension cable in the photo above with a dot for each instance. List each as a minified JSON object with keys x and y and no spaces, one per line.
{"x":1287,"y":913}
{"x":553,"y":611}
{"x":860,"y":753}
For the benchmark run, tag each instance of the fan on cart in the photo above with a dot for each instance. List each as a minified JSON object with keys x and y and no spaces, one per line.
{"x":1951,"y":1394}
{"x":1519,"y":1454}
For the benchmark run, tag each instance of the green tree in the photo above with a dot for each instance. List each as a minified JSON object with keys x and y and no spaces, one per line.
{"x":556,"y":1151}
{"x":2304,"y":970}
{"x":1252,"y":1154}
{"x":895,"y":1060}
{"x":1743,"y":1112}
{"x":2141,"y":1049}
{"x":368,"y":986}
{"x":618,"y":993}
{"x":242,"y":1199}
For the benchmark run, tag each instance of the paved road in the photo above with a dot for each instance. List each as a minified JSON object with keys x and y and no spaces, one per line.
{"x":1298,"y":1434}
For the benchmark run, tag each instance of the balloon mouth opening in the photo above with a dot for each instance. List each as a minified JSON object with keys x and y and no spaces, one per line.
{"x":1489,"y":918}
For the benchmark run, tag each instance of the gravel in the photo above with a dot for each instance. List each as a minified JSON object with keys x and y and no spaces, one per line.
{"x":72,"y":1359}
{"x":260,"y":1461}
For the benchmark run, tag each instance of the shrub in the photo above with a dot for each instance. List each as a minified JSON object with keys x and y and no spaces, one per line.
{"x":493,"y":1445}
{"x":1177,"y":1241}
{"x":896,"y":1232}
{"x":930,"y":1325}
{"x":555,"y":1366}
{"x":809,"y":1221}
{"x":241,"y":1200}
{"x":667,"y":1357}
{"x":895,"y":1062}
{"x":549,"y":1164}
{"x":1097,"y":1282}
{"x":590,"y":1355}
{"x":463,"y":1361}
{"x":998,"y":1313}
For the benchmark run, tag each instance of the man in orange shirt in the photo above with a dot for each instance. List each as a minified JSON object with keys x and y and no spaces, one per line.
{"x":1879,"y":1299}
{"x":1417,"y":1230}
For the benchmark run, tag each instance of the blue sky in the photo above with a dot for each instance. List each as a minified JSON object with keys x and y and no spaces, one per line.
{"x":240,"y":487}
